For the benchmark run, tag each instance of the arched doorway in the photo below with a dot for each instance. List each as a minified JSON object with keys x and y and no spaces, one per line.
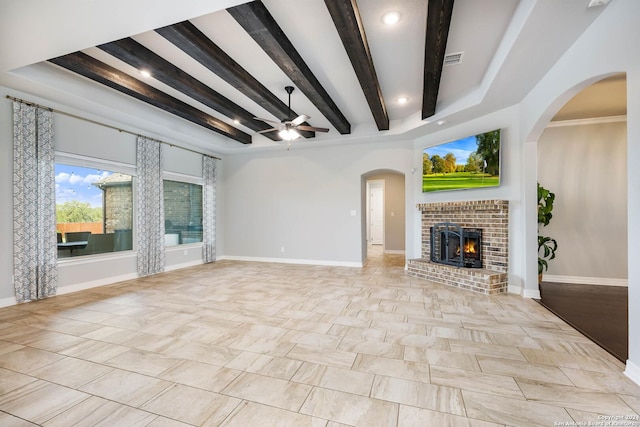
{"x":581,"y":157}
{"x":384,"y":215}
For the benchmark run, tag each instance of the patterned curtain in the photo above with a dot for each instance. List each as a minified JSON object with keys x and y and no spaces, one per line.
{"x":209,"y":208}
{"x":150,"y":207}
{"x":34,"y":203}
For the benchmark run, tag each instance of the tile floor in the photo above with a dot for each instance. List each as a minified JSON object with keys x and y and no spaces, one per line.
{"x":254,"y":344}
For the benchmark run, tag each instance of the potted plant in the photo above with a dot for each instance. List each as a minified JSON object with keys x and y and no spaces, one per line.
{"x":547,"y":246}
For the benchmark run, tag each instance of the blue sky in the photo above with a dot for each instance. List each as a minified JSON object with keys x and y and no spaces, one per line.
{"x":460,"y":148}
{"x":74,"y":183}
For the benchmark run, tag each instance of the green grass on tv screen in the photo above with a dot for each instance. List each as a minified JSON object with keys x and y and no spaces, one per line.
{"x":458,"y":181}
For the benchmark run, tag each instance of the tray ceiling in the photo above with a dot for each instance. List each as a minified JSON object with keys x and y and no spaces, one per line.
{"x":211,"y":73}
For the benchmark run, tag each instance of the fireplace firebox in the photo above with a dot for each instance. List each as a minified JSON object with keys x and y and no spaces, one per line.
{"x":453,"y":245}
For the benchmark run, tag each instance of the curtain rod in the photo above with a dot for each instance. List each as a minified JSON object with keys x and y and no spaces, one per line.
{"x":106,"y":125}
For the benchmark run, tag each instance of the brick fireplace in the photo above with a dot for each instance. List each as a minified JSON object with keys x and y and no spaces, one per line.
{"x":490,"y":216}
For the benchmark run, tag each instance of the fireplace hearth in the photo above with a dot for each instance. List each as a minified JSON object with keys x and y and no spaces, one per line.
{"x":449,"y":226}
{"x":453,"y":245}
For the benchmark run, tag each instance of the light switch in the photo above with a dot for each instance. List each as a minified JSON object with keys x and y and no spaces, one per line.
{"x":353,"y":213}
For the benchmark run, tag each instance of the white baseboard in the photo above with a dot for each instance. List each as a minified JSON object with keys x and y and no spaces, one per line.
{"x":514,"y":289}
{"x":62,"y":290}
{"x":95,"y":283}
{"x":603,"y":281}
{"x":292,"y":261}
{"x":531,"y":293}
{"x":184,"y":265}
{"x":6,"y":302}
{"x":394,"y":251}
{"x":633,"y":372}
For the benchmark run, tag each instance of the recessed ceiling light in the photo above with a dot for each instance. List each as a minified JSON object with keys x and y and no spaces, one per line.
{"x":145,"y":73}
{"x":441,"y":122}
{"x":402,"y":100}
{"x":236,"y":121}
{"x":391,"y":18}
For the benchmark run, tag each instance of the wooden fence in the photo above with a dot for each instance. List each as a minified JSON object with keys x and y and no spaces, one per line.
{"x":93,"y":227}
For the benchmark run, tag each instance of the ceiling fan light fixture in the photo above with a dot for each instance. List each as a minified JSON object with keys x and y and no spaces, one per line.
{"x":289,"y":134}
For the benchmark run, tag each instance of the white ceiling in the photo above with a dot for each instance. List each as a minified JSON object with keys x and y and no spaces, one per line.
{"x":508,"y":46}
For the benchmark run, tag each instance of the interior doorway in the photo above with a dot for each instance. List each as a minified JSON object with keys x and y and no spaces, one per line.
{"x":375,"y":212}
{"x":588,"y":287}
{"x":383,"y":202}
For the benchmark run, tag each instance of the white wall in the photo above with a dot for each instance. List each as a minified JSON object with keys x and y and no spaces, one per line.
{"x":586,"y":167}
{"x":306,"y":200}
{"x":6,"y":194}
{"x":601,"y":51}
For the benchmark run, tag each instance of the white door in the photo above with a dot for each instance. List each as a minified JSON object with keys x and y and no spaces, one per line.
{"x":376,"y":212}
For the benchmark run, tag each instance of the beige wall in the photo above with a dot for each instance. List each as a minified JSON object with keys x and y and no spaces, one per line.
{"x":586,"y":167}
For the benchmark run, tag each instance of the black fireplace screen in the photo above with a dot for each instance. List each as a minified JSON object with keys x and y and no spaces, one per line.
{"x":454,"y":245}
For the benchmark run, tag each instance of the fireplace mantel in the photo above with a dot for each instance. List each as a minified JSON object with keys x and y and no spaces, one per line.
{"x":492,"y":216}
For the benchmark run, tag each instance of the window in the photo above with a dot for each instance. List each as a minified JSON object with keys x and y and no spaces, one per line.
{"x":182,"y":212}
{"x":94,"y":209}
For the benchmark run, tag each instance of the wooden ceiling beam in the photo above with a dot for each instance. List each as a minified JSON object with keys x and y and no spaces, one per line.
{"x":100,"y":72}
{"x":141,"y":58}
{"x":346,"y":18}
{"x":439,"y":14}
{"x":263,"y":28}
{"x":194,"y":43}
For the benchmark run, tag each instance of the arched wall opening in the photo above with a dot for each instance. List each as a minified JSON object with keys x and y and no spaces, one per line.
{"x":393,"y":210}
{"x":530,"y":174}
{"x":582,"y":157}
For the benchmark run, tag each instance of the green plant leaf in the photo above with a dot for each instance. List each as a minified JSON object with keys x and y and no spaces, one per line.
{"x":547,"y":246}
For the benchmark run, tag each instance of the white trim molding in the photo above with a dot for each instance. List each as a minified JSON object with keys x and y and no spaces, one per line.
{"x":530,"y":293}
{"x":292,"y":261}
{"x":633,"y":372}
{"x":602,"y":281}
{"x":7,"y":302}
{"x":173,"y":267}
{"x":95,"y":283}
{"x":591,"y":121}
{"x":394,"y":251}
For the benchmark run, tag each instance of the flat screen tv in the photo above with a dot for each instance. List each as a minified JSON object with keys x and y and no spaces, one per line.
{"x":471,"y":162}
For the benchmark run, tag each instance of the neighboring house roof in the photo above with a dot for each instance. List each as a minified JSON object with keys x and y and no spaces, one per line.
{"x":114,"y":180}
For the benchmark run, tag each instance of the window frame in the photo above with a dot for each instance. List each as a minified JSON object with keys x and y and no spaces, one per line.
{"x":187,"y":179}
{"x":111,"y":166}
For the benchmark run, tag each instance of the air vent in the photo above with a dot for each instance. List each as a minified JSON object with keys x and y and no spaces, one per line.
{"x":453,"y":59}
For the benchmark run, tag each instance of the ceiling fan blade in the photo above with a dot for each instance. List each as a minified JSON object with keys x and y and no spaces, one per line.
{"x":312,"y":129}
{"x":266,"y":120}
{"x":300,"y":119}
{"x":268,"y":130}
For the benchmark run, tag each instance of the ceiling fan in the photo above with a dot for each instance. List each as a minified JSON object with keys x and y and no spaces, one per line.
{"x":289,"y":127}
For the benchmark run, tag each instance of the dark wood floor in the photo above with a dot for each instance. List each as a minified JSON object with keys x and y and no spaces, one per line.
{"x":599,"y":312}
